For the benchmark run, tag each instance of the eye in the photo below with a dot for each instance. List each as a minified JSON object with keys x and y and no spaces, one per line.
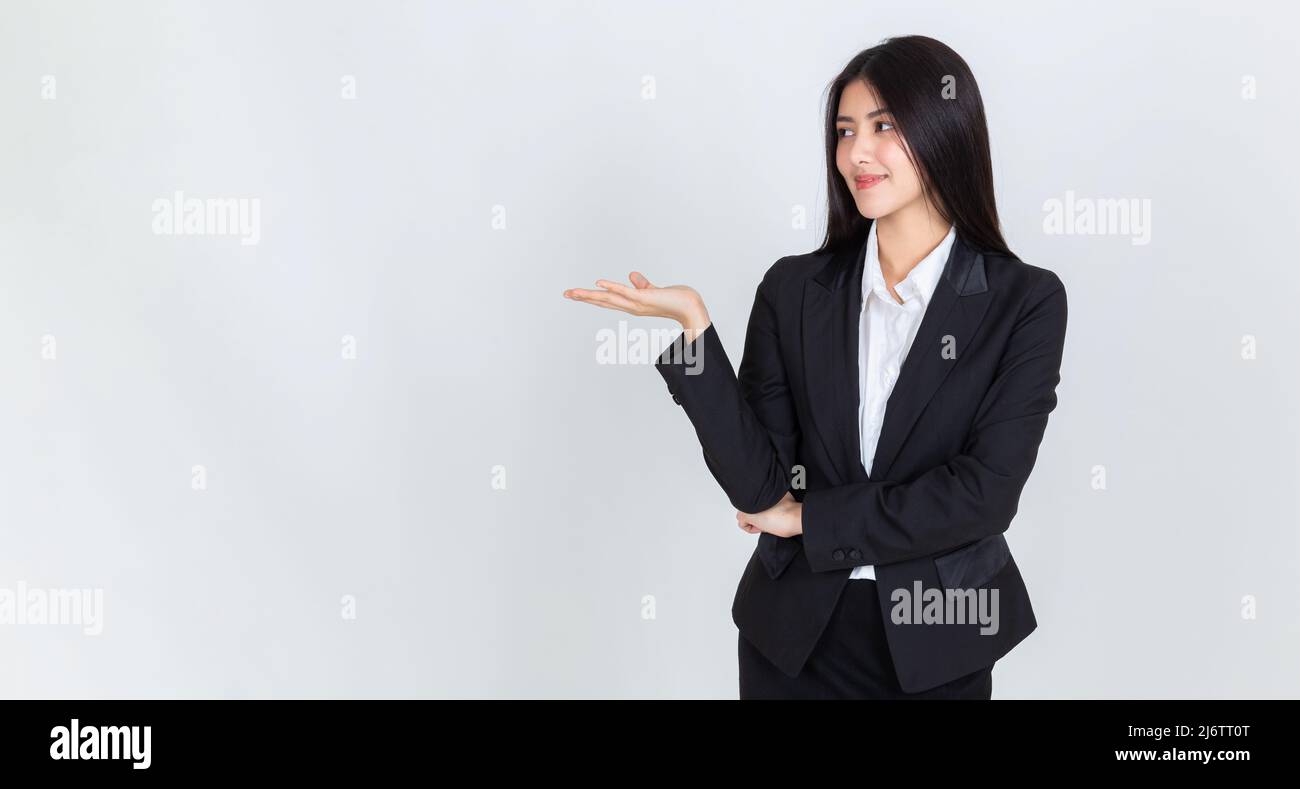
{"x":885,"y":123}
{"x":841,"y":129}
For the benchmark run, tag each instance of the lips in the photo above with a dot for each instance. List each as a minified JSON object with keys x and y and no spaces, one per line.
{"x":868,"y":181}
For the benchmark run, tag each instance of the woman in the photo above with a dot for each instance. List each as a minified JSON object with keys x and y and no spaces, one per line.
{"x":894,"y":389}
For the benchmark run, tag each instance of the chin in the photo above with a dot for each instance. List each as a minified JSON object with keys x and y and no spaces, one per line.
{"x":874,"y":212}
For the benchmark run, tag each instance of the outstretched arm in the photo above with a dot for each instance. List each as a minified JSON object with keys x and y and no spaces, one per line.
{"x":746,"y":425}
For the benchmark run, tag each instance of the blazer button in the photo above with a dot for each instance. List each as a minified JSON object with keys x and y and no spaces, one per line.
{"x":854,"y":553}
{"x":676,"y":399}
{"x":837,"y":555}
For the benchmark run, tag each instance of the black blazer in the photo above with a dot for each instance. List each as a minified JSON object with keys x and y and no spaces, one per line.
{"x":960,"y":436}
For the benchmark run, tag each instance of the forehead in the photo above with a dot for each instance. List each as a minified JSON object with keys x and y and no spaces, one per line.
{"x":858,"y":99}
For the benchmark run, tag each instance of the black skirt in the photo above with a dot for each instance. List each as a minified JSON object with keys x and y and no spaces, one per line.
{"x":850,"y":661}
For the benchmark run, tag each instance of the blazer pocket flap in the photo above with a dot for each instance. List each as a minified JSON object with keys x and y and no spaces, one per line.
{"x":973,"y":565}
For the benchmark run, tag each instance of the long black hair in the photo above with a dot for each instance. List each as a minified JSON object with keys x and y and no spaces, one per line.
{"x":936,"y":105}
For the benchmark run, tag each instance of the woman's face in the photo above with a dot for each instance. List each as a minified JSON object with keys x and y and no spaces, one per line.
{"x":868,"y":148}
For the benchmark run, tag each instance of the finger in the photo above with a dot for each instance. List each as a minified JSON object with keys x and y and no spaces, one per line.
{"x":604,"y":298}
{"x":639,"y":280}
{"x":598,"y":297}
{"x":619,"y":288}
{"x":621,"y":294}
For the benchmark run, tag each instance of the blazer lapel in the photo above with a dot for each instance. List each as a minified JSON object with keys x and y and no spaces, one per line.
{"x":830,"y":365}
{"x":952,"y":320}
{"x":830,"y":355}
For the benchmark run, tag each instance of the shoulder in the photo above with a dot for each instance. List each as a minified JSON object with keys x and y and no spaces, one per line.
{"x":1021,"y":282}
{"x":789,"y":272}
{"x":1034,"y":295}
{"x":1015,"y":273}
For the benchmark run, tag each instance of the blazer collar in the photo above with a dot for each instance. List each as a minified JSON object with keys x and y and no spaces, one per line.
{"x":832,"y":301}
{"x":963,"y":271}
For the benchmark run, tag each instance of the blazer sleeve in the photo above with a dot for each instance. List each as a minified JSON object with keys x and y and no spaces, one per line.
{"x":746,"y":425}
{"x":977,"y":492}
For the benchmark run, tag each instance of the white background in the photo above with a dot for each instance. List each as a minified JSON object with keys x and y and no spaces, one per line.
{"x":372,"y":477}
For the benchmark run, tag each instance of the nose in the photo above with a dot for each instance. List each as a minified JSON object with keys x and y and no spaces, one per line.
{"x":863,"y":150}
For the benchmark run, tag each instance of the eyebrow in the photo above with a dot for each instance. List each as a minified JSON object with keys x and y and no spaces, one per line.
{"x":870,"y":115}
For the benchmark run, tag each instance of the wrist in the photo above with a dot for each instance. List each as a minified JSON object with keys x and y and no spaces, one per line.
{"x":695,"y":322}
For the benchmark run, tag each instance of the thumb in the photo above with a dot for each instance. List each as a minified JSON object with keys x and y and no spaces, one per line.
{"x":639,"y":280}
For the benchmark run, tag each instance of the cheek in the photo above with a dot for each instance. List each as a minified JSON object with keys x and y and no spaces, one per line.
{"x":842,"y":160}
{"x":893,"y":156}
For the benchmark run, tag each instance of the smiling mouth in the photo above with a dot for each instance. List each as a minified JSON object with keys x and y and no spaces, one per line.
{"x":869,"y":181}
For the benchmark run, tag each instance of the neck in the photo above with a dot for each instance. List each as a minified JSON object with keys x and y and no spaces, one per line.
{"x":904,"y":238}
